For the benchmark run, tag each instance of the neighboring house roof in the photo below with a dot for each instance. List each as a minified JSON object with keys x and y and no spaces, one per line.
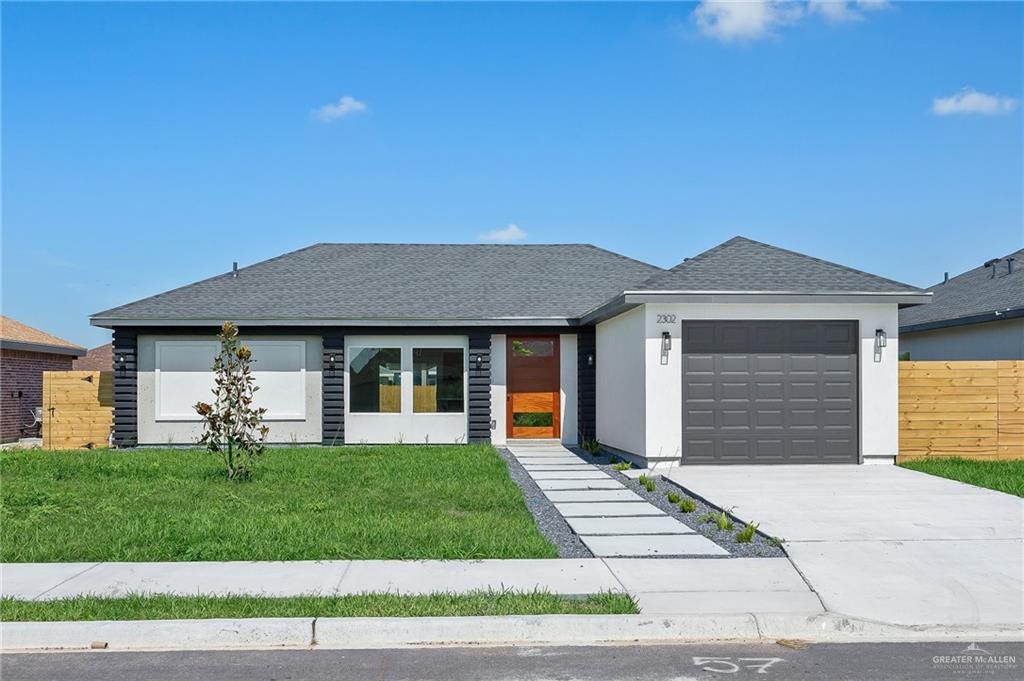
{"x":17,"y":336}
{"x":100,"y":358}
{"x":506,"y":284}
{"x":401,"y":282}
{"x":748,"y":266}
{"x":983,"y":294}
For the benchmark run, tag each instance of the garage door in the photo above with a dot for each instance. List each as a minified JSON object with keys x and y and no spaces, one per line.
{"x":769,"y":392}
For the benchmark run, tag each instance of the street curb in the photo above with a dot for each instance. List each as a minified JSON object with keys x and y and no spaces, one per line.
{"x":400,"y":632}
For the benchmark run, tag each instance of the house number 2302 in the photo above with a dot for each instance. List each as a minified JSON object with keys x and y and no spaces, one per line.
{"x":666,"y":319}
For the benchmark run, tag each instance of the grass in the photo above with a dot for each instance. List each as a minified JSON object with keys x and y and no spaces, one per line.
{"x":305,"y":503}
{"x":1002,"y":476}
{"x":157,"y":607}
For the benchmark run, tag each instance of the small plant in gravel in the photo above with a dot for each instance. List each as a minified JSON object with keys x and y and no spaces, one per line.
{"x":687,"y":505}
{"x":673,"y":498}
{"x":777,"y":542}
{"x":722,"y":521}
{"x":746,"y":535}
{"x":621,"y":466}
{"x":708,"y":517}
{"x":647,"y":483}
{"x":591,"y":445}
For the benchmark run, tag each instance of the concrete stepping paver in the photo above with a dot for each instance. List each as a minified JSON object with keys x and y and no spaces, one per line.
{"x":640,"y":575}
{"x":557,"y":467}
{"x":606,"y":483}
{"x":629,"y":525}
{"x":564,"y":495}
{"x":569,"y":475}
{"x":653,"y":545}
{"x":606,"y":509}
{"x":550,"y":461}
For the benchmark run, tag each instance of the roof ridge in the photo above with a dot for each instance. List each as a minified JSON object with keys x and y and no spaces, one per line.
{"x":1013,"y":254}
{"x":620,"y":256}
{"x":60,"y":342}
{"x":702,"y":254}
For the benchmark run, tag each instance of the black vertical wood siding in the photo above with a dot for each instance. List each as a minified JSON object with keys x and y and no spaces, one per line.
{"x":586,"y":383}
{"x":479,"y":386}
{"x":334,"y":389}
{"x":126,"y":388}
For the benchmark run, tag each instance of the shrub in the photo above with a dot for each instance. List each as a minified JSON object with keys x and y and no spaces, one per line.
{"x":621,"y":466}
{"x":673,"y":498}
{"x":706,"y":517}
{"x":231,"y":425}
{"x":687,"y":505}
{"x":647,"y":483}
{"x":777,"y":542}
{"x":745,"y":535}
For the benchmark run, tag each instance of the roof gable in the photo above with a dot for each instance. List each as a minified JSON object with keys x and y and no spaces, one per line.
{"x":748,"y":266}
{"x":977,"y":292}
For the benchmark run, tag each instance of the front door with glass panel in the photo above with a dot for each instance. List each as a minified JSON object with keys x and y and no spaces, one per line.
{"x":533,"y":387}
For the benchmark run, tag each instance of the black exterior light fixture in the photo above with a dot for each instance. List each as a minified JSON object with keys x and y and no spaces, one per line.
{"x":331,"y":360}
{"x":120,"y":363}
{"x":666,"y":345}
{"x":590,"y":359}
{"x":880,"y":337}
{"x":478,"y":362}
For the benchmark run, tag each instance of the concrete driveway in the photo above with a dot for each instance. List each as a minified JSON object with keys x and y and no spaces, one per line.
{"x":884,"y":543}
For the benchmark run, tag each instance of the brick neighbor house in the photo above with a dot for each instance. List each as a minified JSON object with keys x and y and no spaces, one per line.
{"x":100,"y":358}
{"x":25,"y":353}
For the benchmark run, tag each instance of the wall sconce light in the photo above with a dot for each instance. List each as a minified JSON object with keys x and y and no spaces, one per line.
{"x":880,"y":342}
{"x":590,"y":359}
{"x":330,"y":360}
{"x":120,"y":363}
{"x":666,"y":345}
{"x":478,"y":361}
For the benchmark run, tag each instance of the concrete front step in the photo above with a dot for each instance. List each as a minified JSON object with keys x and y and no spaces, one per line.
{"x":569,"y":475}
{"x":652,"y":545}
{"x":603,"y":509}
{"x":646,"y":525}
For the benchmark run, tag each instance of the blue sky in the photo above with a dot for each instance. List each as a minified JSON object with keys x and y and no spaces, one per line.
{"x":146,"y":146}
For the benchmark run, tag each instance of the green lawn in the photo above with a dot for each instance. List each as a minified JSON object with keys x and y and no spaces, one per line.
{"x":1004,"y":476}
{"x":304,"y":503}
{"x":140,"y":607}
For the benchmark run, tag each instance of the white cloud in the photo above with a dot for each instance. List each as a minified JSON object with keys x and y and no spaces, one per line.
{"x":970,"y":101}
{"x":840,"y":11}
{"x":505,"y":234}
{"x":346,"y":106}
{"x":745,"y":20}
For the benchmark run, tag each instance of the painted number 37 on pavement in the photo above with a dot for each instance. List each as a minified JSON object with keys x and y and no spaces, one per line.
{"x":726,"y":665}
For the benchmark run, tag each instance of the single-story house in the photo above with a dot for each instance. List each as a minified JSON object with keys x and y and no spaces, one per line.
{"x":99,"y":358}
{"x":977,"y":315}
{"x":746,"y":353}
{"x":25,"y":353}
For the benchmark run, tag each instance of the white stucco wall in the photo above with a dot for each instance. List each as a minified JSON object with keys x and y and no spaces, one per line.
{"x":879,"y":381}
{"x":156,"y":431}
{"x":407,"y":427}
{"x":567,"y":379}
{"x":621,"y":380}
{"x":498,"y":391}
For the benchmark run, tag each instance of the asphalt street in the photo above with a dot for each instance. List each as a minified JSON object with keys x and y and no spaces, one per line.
{"x":846,"y":662}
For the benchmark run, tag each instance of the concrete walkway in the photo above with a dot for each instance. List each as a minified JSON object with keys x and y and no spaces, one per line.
{"x":677,"y":586}
{"x":884,"y":543}
{"x":610,"y":519}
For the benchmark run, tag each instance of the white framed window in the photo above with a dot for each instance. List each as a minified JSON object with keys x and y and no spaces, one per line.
{"x":183,"y":373}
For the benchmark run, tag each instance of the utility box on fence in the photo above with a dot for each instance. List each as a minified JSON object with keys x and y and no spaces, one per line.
{"x":78,"y":409}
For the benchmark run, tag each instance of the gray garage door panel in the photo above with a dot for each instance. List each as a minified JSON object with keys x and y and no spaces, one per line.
{"x":770,"y":392}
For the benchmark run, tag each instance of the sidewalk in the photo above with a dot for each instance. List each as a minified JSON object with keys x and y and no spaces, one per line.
{"x":667,"y":585}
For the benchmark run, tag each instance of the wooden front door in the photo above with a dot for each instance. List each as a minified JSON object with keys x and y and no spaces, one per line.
{"x":533,"y":387}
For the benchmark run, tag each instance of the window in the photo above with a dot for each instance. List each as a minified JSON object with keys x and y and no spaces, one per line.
{"x":437,"y":380}
{"x":375,"y":381}
{"x":540,"y":347}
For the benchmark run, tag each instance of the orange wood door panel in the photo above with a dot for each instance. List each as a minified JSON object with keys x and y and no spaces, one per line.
{"x":533,"y":386}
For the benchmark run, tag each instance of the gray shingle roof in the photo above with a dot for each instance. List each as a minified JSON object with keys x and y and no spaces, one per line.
{"x":972,"y":293}
{"x":742,"y":264}
{"x":403,"y":281}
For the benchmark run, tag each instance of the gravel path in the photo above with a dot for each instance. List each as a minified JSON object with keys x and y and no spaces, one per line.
{"x":551,"y":523}
{"x":759,"y":547}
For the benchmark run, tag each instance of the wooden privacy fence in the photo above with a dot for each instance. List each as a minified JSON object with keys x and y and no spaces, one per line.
{"x":972,"y":410}
{"x":78,"y":409}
